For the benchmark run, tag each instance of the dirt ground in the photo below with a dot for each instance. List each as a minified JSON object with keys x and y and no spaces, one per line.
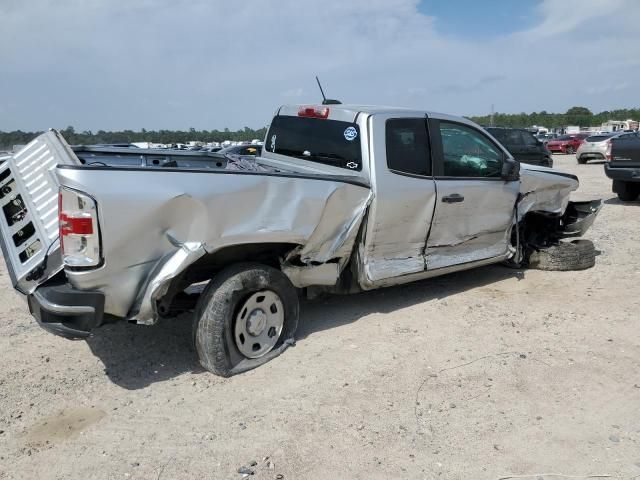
{"x":486,"y":374}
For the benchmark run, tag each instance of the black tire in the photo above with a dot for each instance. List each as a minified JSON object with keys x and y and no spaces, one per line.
{"x":582,"y":161}
{"x":565,"y":256}
{"x":570,"y":151}
{"x":217,"y":308}
{"x":627,"y":191}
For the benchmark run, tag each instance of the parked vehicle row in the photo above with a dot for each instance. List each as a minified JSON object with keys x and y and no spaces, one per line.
{"x":567,"y":143}
{"x":523,"y":145}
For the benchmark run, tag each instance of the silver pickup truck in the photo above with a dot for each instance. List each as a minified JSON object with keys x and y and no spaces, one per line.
{"x":342,"y":199}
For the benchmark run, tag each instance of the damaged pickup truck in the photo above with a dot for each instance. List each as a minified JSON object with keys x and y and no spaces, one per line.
{"x":342,"y":199}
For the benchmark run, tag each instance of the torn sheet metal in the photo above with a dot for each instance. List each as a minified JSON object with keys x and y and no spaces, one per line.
{"x":159,"y":279}
{"x":320,"y":215}
{"x":579,"y":217}
{"x":334,"y":239}
{"x":324,"y":274}
{"x":544,"y":189}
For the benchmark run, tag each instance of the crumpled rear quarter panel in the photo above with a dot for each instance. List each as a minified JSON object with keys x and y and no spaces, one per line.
{"x":139,"y":210}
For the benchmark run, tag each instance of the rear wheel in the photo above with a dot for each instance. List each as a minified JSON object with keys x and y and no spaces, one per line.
{"x":564,"y":256}
{"x":246,"y":316}
{"x":627,"y":191}
{"x":570,"y":150}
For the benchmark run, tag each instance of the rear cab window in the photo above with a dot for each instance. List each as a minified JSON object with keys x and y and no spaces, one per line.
{"x":407,"y":146}
{"x":330,"y":142}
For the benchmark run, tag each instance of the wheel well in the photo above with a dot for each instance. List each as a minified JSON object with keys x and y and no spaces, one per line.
{"x":265,"y":253}
{"x":204,"y":269}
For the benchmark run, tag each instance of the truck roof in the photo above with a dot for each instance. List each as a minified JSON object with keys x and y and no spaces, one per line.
{"x":349,"y":113}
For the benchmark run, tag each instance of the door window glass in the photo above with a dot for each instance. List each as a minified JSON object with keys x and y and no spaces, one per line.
{"x":468,"y":153}
{"x":408,"y":146}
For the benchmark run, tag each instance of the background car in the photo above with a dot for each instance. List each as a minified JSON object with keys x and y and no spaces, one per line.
{"x":567,"y":143}
{"x":596,"y":147}
{"x":523,"y":145}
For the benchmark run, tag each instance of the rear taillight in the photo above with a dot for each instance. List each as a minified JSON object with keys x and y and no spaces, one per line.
{"x":313,"y":112}
{"x":607,"y":153}
{"x":78,"y":225}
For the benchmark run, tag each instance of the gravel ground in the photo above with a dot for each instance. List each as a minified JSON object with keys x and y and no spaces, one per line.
{"x":478,"y":375}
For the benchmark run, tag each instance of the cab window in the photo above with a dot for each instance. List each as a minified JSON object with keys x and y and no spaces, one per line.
{"x":468,"y":153}
{"x":408,"y":146}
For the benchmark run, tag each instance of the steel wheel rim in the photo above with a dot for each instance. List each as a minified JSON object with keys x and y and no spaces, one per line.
{"x":259,"y":323}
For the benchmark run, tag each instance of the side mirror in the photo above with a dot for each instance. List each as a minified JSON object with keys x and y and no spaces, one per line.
{"x":510,"y":169}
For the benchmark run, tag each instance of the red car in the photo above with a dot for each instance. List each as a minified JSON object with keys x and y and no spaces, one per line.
{"x":567,"y":143}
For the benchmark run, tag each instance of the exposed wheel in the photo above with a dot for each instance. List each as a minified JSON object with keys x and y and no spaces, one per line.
{"x":564,"y":256}
{"x":247,"y":315}
{"x":627,"y":191}
{"x":582,"y":160}
{"x":570,"y":150}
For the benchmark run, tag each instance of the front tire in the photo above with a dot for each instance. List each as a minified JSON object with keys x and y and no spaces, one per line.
{"x":582,"y":161}
{"x":564,"y":256}
{"x":570,"y":151}
{"x":246,"y":316}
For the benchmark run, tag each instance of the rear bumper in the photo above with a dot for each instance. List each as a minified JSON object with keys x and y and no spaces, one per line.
{"x":590,"y":155}
{"x":557,"y":148}
{"x":67,"y":312}
{"x":628,"y":174}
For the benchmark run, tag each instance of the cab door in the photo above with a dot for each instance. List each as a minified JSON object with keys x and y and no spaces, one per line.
{"x":404,"y":198}
{"x":474,"y":206}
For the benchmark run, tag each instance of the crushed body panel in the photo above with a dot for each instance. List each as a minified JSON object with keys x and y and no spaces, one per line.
{"x":321,"y":215}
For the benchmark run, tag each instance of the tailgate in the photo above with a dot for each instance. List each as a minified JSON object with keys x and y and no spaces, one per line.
{"x":29,"y":216}
{"x":625,"y":153}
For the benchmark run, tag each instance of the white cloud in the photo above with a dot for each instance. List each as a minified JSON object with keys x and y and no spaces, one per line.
{"x":214,"y":64}
{"x":563,"y":16}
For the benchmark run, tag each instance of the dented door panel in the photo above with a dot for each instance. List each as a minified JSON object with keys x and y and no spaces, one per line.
{"x":399,"y":219}
{"x":475,"y":228}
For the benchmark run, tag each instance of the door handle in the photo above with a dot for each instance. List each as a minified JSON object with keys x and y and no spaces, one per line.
{"x":453,"y":198}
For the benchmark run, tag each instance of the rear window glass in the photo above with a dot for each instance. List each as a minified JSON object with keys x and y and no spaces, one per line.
{"x":408,"y":146}
{"x":317,"y":140}
{"x":566,"y":137}
{"x":597,"y":138}
{"x":500,"y":134}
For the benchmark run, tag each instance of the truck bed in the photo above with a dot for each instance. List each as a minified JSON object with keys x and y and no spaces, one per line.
{"x":159,"y":208}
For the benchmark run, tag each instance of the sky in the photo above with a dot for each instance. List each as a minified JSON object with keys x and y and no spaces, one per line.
{"x":211,"y":64}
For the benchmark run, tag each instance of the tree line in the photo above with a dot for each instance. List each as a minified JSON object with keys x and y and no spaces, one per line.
{"x":580,"y":116}
{"x":19,"y":137}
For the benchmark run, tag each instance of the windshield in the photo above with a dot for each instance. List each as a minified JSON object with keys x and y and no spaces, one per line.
{"x":315,"y":139}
